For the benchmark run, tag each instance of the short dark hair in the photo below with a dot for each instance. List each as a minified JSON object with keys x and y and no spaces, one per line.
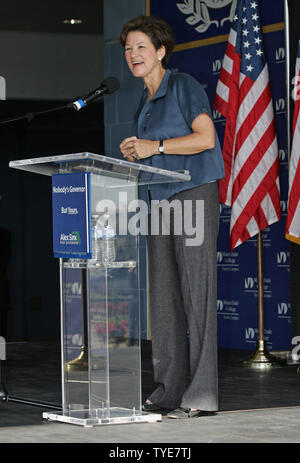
{"x":157,"y":30}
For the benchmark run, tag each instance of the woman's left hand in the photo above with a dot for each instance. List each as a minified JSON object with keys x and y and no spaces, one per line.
{"x":136,"y":148}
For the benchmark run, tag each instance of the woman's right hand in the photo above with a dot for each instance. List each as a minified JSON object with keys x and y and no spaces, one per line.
{"x":127,"y":149}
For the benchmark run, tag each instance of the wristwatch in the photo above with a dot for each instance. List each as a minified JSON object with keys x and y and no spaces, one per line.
{"x":161,"y":148}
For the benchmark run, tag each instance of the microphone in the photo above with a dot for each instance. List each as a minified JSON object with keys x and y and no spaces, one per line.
{"x":109,"y":85}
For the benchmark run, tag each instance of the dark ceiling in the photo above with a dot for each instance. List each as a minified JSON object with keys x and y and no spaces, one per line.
{"x":48,"y":16}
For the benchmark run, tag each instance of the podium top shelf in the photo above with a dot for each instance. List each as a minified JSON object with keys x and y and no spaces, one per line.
{"x":100,"y":165}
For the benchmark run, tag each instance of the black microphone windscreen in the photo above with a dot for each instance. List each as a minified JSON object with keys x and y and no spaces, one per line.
{"x":111,"y":83}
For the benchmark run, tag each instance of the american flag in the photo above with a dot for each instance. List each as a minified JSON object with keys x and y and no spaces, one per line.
{"x":250,"y":151}
{"x":293,"y":216}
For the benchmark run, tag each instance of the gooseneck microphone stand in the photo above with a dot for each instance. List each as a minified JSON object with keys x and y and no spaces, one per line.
{"x":109,"y":85}
{"x":31,"y":115}
{"x":4,"y":395}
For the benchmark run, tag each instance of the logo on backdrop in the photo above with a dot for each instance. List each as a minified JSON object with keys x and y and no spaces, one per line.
{"x":217,"y":117}
{"x":250,"y":334}
{"x":250,"y":284}
{"x":225,"y":213}
{"x":283,"y":157}
{"x":228,"y":261}
{"x":283,"y":309}
{"x":199,"y":14}
{"x":283,"y":207}
{"x":282,"y":258}
{"x":216,"y":66}
{"x":280,"y":55}
{"x":228,"y":309}
{"x":280,"y":106}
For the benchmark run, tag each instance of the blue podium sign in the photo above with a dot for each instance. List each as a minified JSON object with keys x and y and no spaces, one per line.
{"x":71,"y":215}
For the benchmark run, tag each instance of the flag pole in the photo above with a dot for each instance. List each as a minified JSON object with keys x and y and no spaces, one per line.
{"x":261,"y":359}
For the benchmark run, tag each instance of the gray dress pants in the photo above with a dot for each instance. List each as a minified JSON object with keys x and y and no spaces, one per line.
{"x":183,"y":309}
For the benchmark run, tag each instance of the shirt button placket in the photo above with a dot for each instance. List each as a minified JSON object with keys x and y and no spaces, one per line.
{"x":147,"y":116}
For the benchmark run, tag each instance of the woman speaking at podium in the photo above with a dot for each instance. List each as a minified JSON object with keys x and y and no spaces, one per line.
{"x":174,"y":131}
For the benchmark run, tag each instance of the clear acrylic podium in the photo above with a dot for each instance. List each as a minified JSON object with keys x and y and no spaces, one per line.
{"x":100,"y":301}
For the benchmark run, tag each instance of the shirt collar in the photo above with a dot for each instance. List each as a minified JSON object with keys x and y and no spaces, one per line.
{"x":162,"y":89}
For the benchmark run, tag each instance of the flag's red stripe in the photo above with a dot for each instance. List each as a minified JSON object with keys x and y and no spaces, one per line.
{"x":253,"y":161}
{"x":253,"y":117}
{"x":245,"y":87}
{"x":230,"y":50}
{"x":225,"y":77}
{"x":244,"y":237}
{"x":275,"y":198}
{"x":296,"y":116}
{"x":260,"y":218}
{"x":294,"y":197}
{"x":294,"y":183}
{"x":229,"y":136}
{"x":297,"y":102}
{"x":220,"y":104}
{"x":251,"y":206}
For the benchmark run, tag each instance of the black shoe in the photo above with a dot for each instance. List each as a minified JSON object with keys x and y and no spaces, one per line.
{"x":182,"y":413}
{"x":150,"y":407}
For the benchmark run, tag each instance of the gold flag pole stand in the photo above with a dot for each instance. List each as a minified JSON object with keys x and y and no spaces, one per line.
{"x":261,"y":359}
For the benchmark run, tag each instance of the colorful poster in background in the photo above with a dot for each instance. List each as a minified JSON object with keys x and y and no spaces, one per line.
{"x":201,"y":30}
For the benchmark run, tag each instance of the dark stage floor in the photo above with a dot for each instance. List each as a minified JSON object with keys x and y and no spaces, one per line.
{"x":32,"y":370}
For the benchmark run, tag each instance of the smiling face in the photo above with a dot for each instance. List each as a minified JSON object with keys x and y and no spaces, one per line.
{"x":141,"y":56}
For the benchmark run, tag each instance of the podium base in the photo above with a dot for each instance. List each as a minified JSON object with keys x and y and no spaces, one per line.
{"x":89,"y":418}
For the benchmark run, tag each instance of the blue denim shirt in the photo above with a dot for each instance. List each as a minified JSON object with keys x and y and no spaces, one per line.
{"x":170,"y":114}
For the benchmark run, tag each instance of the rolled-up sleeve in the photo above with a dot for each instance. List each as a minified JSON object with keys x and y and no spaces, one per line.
{"x":192,"y":98}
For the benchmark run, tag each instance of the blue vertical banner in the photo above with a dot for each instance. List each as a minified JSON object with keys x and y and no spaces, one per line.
{"x":71,"y":215}
{"x":201,"y":29}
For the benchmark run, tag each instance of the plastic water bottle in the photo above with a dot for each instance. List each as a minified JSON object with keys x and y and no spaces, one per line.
{"x":97,"y":230}
{"x":108,"y":241}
